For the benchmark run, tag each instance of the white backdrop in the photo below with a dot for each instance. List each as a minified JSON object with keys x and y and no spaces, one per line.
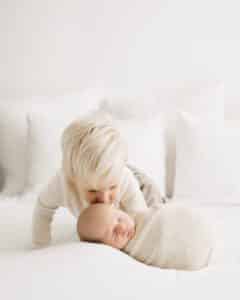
{"x":49,"y":47}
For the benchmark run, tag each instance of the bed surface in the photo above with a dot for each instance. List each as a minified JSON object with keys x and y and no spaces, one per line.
{"x":70,"y":269}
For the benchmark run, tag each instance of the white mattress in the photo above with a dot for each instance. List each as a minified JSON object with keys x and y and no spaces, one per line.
{"x":69,"y":269}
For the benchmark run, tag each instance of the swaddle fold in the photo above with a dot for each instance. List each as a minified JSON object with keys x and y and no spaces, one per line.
{"x":172,"y":236}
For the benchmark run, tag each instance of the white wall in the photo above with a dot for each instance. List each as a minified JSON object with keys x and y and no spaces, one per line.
{"x":48,"y":47}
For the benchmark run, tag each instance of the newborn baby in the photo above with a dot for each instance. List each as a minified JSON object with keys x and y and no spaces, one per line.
{"x":171,"y":236}
{"x":106,"y":224}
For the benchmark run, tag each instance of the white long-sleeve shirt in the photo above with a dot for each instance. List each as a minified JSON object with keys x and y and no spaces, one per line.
{"x":57,"y":194}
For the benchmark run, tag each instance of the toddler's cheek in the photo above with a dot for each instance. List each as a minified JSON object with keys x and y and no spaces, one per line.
{"x":114,"y":196}
{"x":90,"y":198}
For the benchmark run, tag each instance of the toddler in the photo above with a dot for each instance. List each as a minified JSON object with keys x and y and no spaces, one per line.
{"x":94,"y":169}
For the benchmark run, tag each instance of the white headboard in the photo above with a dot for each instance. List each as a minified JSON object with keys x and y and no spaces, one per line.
{"x":50,"y":47}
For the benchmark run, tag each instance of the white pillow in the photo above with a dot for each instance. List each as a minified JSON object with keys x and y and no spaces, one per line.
{"x":202,"y":99}
{"x":146,"y":150}
{"x":125,"y":104}
{"x":13,"y":131}
{"x":207,"y":161}
{"x":44,"y":149}
{"x":144,"y":138}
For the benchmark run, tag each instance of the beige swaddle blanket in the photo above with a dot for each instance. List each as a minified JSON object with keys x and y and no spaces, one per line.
{"x":172,"y":237}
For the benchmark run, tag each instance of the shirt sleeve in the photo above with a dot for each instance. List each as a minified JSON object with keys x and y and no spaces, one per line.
{"x":148,"y":187}
{"x":49,"y":200}
{"x":132,"y":199}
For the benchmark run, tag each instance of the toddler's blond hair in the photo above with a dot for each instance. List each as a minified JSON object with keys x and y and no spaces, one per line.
{"x":93,"y":149}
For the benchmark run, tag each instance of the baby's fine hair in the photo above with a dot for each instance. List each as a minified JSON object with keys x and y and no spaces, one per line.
{"x":92,"y":149}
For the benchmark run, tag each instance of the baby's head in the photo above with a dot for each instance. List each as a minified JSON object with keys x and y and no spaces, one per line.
{"x":105,"y":224}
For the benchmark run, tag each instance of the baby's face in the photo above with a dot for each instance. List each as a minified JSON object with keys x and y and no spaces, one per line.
{"x":106,"y":224}
{"x":118,"y":228}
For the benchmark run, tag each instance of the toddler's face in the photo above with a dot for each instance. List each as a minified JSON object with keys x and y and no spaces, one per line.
{"x":102,"y":192}
{"x":119,"y":228}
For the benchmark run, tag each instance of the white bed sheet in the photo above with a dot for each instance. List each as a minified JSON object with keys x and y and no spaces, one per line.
{"x":69,"y":269}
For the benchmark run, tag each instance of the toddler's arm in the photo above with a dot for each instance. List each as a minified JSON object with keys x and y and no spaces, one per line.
{"x":149,"y":188}
{"x":132,"y":199}
{"x":47,"y":203}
